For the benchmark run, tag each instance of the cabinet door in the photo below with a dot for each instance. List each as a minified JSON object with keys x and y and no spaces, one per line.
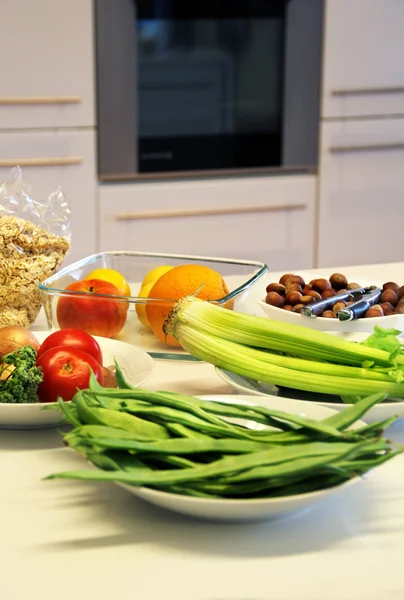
{"x":363,"y":71}
{"x":46,"y":64}
{"x":51,"y":159}
{"x":361,"y":192}
{"x":269,"y":219}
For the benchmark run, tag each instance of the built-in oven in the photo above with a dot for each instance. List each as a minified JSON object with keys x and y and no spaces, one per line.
{"x":193,"y":86}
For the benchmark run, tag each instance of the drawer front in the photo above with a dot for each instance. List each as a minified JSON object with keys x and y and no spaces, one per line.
{"x":52,"y":159}
{"x":47,"y":64}
{"x":266,"y":219}
{"x":361,"y":192}
{"x":363,"y":72}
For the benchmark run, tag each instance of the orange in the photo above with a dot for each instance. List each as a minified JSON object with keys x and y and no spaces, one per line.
{"x":176,"y":283}
{"x":111,"y":276}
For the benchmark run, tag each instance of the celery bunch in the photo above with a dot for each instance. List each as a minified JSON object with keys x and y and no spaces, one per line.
{"x":288,"y":355}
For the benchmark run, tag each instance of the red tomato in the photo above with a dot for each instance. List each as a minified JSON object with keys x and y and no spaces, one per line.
{"x":75,"y":338}
{"x":65,"y":370}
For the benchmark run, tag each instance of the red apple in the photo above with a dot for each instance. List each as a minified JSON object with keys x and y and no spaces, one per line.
{"x":96,"y":316}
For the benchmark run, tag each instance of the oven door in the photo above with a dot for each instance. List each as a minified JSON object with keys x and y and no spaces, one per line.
{"x":194,"y":87}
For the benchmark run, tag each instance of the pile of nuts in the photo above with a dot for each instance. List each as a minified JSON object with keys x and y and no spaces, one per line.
{"x":293,"y":293}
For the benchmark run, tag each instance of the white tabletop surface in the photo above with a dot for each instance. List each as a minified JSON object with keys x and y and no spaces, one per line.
{"x":94,"y":541}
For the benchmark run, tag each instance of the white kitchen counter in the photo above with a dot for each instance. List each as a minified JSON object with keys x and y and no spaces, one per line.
{"x":94,"y":541}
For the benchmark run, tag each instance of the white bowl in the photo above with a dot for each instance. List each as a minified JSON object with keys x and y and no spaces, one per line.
{"x":363,"y":325}
{"x":251,"y":387}
{"x":246,"y":510}
{"x":136,"y":365}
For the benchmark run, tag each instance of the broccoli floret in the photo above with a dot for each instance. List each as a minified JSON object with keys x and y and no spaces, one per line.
{"x":19,"y":376}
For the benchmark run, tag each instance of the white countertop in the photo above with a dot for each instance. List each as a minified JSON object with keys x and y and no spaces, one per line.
{"x":64,"y":539}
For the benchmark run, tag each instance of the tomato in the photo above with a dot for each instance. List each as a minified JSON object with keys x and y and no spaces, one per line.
{"x":64,"y":370}
{"x":75,"y":338}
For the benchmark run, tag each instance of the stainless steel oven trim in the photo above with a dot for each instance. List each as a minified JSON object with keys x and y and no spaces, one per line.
{"x":116,"y":86}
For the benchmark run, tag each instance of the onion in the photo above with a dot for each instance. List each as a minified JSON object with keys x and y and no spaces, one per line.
{"x":15,"y":336}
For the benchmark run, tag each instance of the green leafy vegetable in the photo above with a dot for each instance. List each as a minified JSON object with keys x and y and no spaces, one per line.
{"x":19,"y":376}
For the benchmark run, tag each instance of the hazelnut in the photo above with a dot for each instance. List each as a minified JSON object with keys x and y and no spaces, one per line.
{"x":329,"y":314}
{"x":338,"y":305}
{"x":399,"y":310}
{"x":307,"y":288}
{"x":374,"y":311}
{"x":285,"y":277}
{"x":276,"y":287}
{"x":388,"y":309}
{"x":293,"y":298}
{"x":391,"y":285}
{"x":389,"y":295}
{"x":353,"y":286}
{"x":293,"y":287}
{"x":338,"y":281}
{"x":400,"y":292}
{"x":329,"y":293}
{"x":274,"y":299}
{"x":288,"y":307}
{"x":297,"y":279}
{"x":297,"y":308}
{"x":319,"y":285}
{"x":341,"y":291}
{"x":315,"y":295}
{"x":307,"y":299}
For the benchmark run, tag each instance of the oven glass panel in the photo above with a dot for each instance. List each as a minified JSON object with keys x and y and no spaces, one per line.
{"x":209,"y":84}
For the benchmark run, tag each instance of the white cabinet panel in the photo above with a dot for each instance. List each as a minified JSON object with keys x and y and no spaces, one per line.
{"x":46,"y":64}
{"x":269,"y":219}
{"x":363,"y":71}
{"x":361,"y":216}
{"x":78,"y":181}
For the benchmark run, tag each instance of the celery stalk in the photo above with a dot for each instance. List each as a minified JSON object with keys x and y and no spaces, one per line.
{"x":261,"y":332}
{"x":256,"y":364}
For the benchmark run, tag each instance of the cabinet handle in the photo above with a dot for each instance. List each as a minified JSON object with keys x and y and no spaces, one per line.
{"x":57,"y":161}
{"x":204,"y":212}
{"x":28,"y":100}
{"x":369,"y":91}
{"x":366,"y":148}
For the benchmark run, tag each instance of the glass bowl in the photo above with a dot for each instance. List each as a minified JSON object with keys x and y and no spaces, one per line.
{"x":240,"y":276}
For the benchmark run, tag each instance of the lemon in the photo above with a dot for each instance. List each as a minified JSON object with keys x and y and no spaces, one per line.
{"x":111,"y":276}
{"x":141,"y":308}
{"x":155,"y":274}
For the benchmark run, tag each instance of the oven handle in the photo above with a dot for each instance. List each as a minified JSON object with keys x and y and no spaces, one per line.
{"x":366,"y":148}
{"x":204,"y":212}
{"x":57,"y":161}
{"x":368,"y":91}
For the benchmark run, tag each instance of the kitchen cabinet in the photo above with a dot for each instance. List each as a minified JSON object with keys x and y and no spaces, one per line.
{"x":361,"y":187}
{"x":270,"y":219}
{"x":47,"y":64}
{"x":363,"y":68}
{"x":54,"y":158}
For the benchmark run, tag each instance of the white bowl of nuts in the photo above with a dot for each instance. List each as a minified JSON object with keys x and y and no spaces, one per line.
{"x":286,"y":298}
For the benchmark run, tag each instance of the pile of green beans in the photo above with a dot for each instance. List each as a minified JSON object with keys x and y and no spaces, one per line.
{"x":185,"y":445}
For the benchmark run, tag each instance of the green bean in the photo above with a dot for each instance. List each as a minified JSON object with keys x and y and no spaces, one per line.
{"x":265,"y":471}
{"x":186,"y":432}
{"x":104,"y":416}
{"x":105,"y":431}
{"x":168,"y":400}
{"x":283,"y":460}
{"x":183,"y":445}
{"x":120,"y":379}
{"x":69,"y":412}
{"x":346,"y":417}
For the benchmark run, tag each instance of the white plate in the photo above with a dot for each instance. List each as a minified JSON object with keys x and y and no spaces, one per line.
{"x":245,"y":510}
{"x":137,"y":366}
{"x":245,"y":385}
{"x":362,"y":325}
